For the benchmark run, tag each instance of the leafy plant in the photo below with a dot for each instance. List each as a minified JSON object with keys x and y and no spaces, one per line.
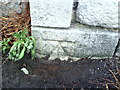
{"x":24,"y":44}
{"x":5,"y":45}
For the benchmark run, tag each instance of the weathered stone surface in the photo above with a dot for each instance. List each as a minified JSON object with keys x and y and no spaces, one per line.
{"x":8,"y":7}
{"x":51,"y":13}
{"x":98,"y":13}
{"x":77,"y":41}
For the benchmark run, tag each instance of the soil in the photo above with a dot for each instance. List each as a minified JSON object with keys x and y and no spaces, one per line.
{"x":84,"y":73}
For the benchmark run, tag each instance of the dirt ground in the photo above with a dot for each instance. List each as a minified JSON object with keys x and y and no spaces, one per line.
{"x":83,"y":74}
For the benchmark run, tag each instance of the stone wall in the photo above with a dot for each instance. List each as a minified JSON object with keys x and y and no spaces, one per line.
{"x":77,"y":41}
{"x":98,"y":13}
{"x":68,"y":29}
{"x":48,"y":13}
{"x":11,"y":7}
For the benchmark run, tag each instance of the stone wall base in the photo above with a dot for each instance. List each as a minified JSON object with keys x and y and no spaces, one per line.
{"x":78,"y":41}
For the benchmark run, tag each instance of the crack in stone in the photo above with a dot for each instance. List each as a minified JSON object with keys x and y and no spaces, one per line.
{"x":59,"y":40}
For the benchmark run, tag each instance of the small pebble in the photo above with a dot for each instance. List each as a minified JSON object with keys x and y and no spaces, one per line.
{"x":25,"y":70}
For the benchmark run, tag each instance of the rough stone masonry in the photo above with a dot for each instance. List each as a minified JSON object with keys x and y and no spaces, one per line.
{"x":75,"y":42}
{"x":98,"y":13}
{"x":51,"y":13}
{"x":58,"y":37}
{"x":11,"y":7}
{"x":93,"y":33}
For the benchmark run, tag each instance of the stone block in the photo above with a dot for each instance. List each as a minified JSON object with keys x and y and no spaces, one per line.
{"x":98,"y":13}
{"x":8,"y":7}
{"x":77,"y":41}
{"x":51,"y":13}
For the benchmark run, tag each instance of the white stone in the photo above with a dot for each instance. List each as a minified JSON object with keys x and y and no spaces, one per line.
{"x":98,"y":13}
{"x":51,"y":13}
{"x":77,"y":41}
{"x":25,"y":70}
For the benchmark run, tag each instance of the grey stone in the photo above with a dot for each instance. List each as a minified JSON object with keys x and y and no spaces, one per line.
{"x":77,"y":41}
{"x":40,"y":55}
{"x":51,"y":13}
{"x":8,"y":7}
{"x":98,"y":13}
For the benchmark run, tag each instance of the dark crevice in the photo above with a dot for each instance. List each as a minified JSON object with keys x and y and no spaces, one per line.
{"x":116,"y":49}
{"x":75,"y":4}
